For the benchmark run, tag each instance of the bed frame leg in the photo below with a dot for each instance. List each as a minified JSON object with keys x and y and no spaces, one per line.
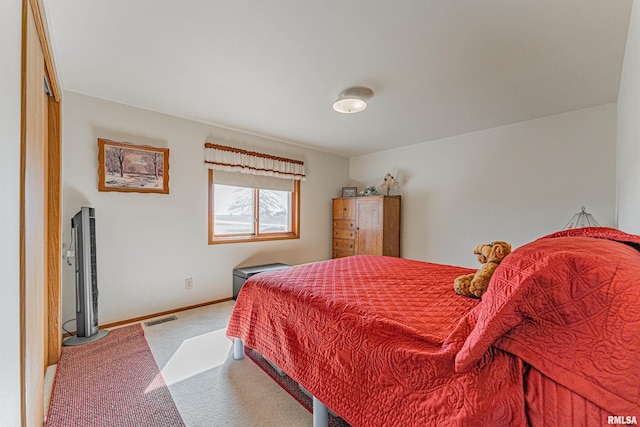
{"x":320,"y":414}
{"x":320,"y":411}
{"x":238,"y":349}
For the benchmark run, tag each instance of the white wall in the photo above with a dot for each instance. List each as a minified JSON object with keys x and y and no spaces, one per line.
{"x":512,"y":183}
{"x":147,"y":244}
{"x":628,"y":148}
{"x":10,"y":72}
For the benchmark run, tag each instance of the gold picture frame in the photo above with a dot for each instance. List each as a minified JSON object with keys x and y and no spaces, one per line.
{"x":127,"y":167}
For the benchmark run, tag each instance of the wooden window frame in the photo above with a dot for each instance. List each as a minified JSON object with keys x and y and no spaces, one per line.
{"x":258,"y":237}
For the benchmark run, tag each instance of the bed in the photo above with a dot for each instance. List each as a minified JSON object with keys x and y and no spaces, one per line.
{"x":386,"y":341}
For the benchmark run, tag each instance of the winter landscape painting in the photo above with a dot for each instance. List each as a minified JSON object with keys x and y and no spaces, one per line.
{"x":127,"y":167}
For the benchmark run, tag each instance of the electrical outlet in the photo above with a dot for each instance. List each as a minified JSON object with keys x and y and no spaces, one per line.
{"x":188,"y":283}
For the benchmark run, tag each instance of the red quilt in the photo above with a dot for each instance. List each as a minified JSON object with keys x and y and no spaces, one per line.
{"x":371,"y":337}
{"x":569,"y":305}
{"x":386,"y":341}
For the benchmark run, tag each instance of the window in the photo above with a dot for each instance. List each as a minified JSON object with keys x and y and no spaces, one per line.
{"x":247,"y":214}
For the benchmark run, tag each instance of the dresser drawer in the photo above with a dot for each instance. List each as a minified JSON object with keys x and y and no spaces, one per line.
{"x":344,"y":208}
{"x":343,"y":244}
{"x":341,"y":253}
{"x":344,"y":224}
{"x":344,"y":234}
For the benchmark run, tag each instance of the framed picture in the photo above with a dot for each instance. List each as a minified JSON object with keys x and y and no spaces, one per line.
{"x":132,"y":168}
{"x":349,"y":191}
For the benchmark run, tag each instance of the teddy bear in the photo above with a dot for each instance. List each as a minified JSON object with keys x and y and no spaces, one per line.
{"x":490,"y":255}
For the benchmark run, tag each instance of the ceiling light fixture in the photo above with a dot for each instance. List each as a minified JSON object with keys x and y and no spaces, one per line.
{"x":353,"y":100}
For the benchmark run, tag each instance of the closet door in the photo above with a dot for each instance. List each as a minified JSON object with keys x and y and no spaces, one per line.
{"x":40,"y":222}
{"x":33,"y":227}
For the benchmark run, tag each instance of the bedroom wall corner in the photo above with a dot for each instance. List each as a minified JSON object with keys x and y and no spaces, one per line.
{"x":514,"y":183}
{"x":628,"y":126}
{"x":147,"y":244}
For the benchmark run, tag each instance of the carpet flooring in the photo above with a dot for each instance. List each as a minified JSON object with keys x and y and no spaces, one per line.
{"x":206,"y":385}
{"x":302,"y":396}
{"x":209,"y":387}
{"x":112,"y":382}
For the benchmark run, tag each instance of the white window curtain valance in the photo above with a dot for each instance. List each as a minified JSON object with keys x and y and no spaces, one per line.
{"x":230,"y":159}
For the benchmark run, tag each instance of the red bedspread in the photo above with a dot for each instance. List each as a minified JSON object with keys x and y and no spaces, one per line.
{"x":373,"y":338}
{"x":386,"y":341}
{"x":569,"y":305}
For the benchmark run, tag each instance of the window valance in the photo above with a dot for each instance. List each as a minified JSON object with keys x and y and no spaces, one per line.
{"x":230,"y":159}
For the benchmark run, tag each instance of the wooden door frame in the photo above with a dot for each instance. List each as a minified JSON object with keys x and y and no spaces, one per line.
{"x":54,"y":233}
{"x":52,"y":191}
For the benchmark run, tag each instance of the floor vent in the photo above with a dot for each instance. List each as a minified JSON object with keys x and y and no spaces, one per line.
{"x":158,"y":321}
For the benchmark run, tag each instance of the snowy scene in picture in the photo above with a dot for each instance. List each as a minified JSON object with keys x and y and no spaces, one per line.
{"x":131,"y":168}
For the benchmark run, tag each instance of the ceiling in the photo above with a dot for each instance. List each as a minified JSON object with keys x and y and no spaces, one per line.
{"x":438,"y":68}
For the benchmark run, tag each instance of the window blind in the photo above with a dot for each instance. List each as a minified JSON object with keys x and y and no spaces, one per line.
{"x":238,"y":179}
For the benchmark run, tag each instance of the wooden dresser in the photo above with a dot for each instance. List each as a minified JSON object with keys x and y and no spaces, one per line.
{"x":366,"y":225}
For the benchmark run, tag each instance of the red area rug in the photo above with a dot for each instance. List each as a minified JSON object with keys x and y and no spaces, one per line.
{"x":112,"y":382}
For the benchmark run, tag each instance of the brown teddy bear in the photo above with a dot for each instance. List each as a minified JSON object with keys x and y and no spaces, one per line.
{"x":490,"y":255}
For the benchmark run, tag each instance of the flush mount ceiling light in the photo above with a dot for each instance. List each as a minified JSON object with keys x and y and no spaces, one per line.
{"x":353,"y":100}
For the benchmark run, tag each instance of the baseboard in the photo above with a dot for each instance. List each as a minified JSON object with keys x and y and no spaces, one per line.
{"x":162,"y":313}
